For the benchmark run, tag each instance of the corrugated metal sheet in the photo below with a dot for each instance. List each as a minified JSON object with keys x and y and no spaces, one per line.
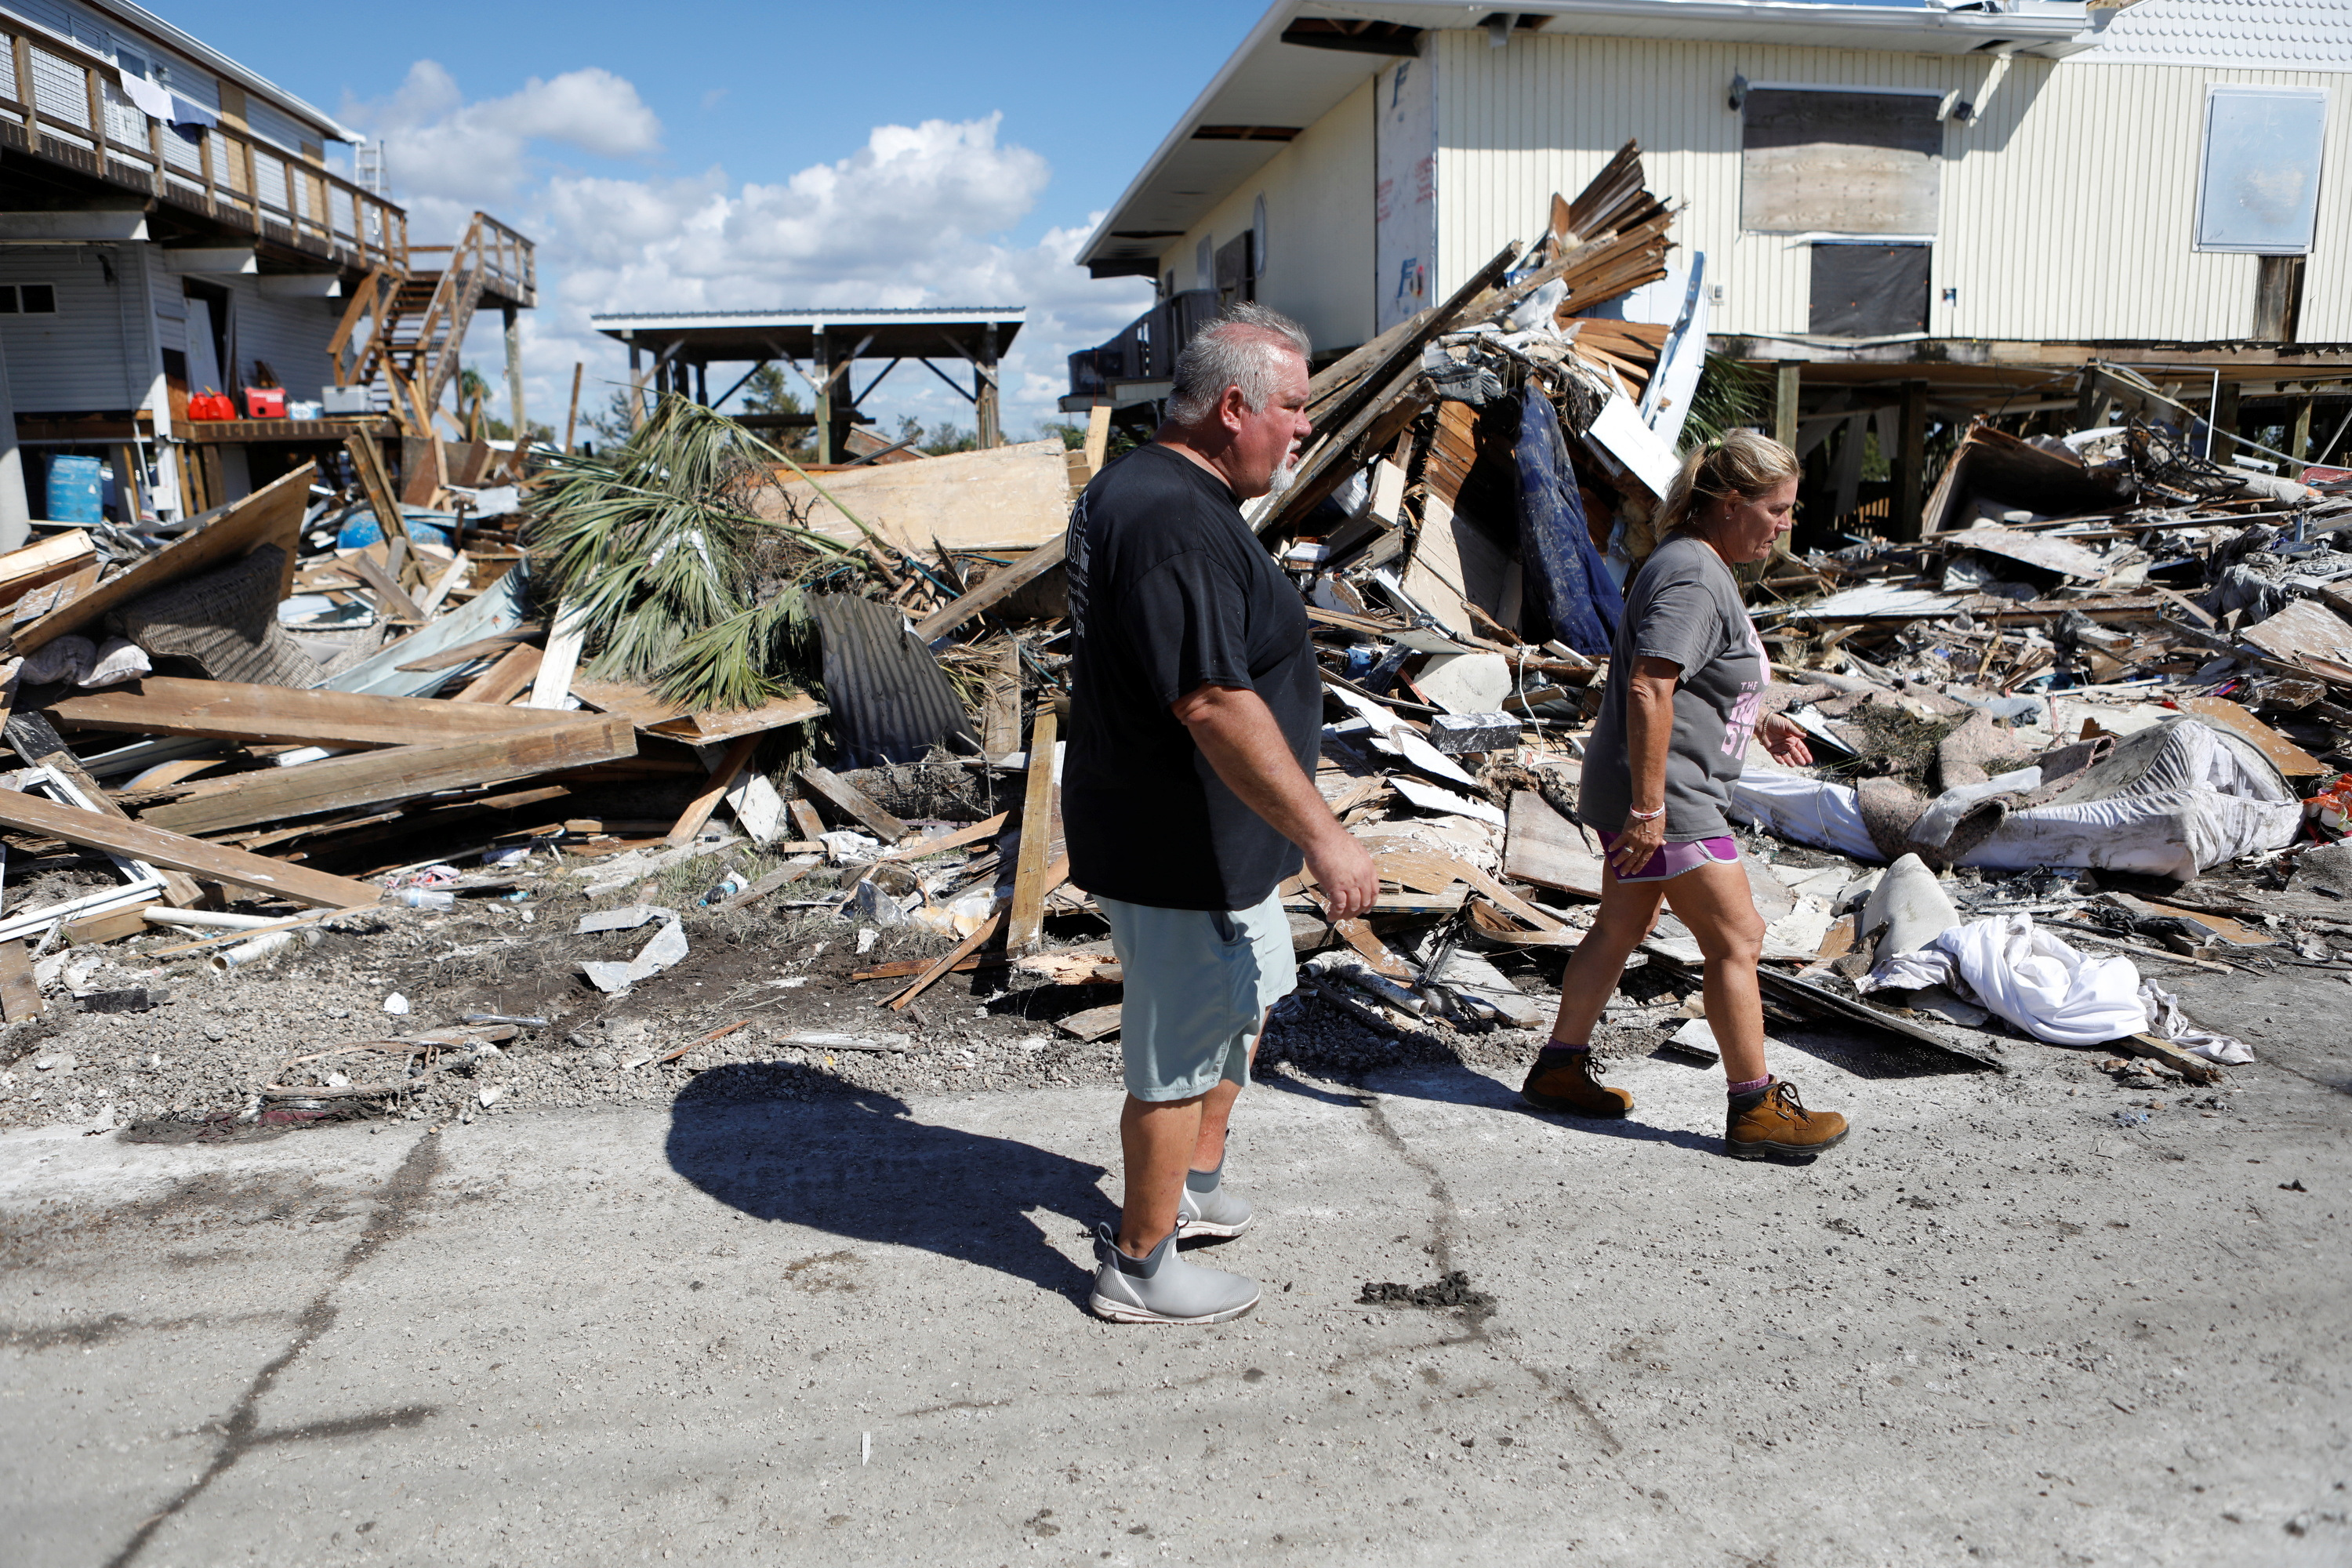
{"x":889,"y":702}
{"x":2068,"y":203}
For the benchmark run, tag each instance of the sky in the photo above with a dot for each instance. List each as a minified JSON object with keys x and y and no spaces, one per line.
{"x":681,"y":156}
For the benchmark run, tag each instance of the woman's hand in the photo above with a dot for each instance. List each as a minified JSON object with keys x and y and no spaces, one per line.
{"x":1784,"y":741}
{"x":1637,"y":843}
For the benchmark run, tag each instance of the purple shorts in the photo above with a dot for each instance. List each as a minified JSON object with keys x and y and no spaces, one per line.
{"x":1674,"y":859}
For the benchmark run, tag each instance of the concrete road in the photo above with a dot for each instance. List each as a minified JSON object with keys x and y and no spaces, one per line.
{"x":1997,"y":1327}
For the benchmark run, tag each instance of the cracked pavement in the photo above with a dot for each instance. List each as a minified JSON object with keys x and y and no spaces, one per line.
{"x":1996,"y":1325}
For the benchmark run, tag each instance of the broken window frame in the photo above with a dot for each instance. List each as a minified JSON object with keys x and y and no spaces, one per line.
{"x":143,"y":883}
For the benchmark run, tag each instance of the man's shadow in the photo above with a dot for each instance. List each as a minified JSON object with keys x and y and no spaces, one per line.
{"x":855,"y":1163}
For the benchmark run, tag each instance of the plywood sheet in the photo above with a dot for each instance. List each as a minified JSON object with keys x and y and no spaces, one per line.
{"x":1544,"y":848}
{"x":1007,"y":496}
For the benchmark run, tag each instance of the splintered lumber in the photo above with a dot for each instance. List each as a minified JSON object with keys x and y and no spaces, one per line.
{"x":367,"y":462}
{"x":215,"y":862}
{"x":389,"y":596}
{"x":853,"y":800}
{"x":1029,"y":888}
{"x":38,"y":565}
{"x":1808,"y":997}
{"x":20,"y":993}
{"x":287,"y":715}
{"x":945,"y":842}
{"x":271,"y":515}
{"x":503,"y":682}
{"x":996,"y":590}
{"x":964,"y":950}
{"x":782,"y":877}
{"x":370,"y":777}
{"x":706,"y":800}
{"x":1543,"y":848}
{"x":561,"y":662}
{"x":482,"y":647}
{"x":34,"y":738}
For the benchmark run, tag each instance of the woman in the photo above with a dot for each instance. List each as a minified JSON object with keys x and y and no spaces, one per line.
{"x":1685,"y":678}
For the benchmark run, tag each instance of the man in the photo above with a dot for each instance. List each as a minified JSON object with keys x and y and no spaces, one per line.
{"x":1188,"y":790}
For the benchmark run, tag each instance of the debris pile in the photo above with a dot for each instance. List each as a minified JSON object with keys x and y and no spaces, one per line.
{"x":599,"y":764}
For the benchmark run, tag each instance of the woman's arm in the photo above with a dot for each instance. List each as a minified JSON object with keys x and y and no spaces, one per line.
{"x":1649,"y":731}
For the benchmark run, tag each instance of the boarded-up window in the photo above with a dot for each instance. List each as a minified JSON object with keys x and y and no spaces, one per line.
{"x":2261,"y":187}
{"x":1839,"y":163}
{"x":1237,"y":271}
{"x":1868,"y":290}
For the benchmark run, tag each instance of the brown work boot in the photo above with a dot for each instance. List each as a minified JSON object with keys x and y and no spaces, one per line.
{"x":1779,"y":1124}
{"x":1570,"y":1087}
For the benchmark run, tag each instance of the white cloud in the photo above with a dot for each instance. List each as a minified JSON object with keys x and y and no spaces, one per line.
{"x":917,"y":216}
{"x":441,"y":149}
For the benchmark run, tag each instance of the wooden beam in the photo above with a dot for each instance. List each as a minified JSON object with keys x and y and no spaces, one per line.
{"x":216,"y":862}
{"x":370,"y":778}
{"x":706,"y":800}
{"x":1029,"y":888}
{"x":853,"y":800}
{"x":290,"y":716}
{"x":389,"y":596}
{"x":956,"y":840}
{"x":480,"y":648}
{"x":271,"y":515}
{"x":964,"y":950}
{"x":503,"y":682}
{"x":561,"y":660}
{"x":997,"y":588}
{"x":367,"y":462}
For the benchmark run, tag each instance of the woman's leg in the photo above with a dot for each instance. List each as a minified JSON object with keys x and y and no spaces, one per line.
{"x":1714,"y":902}
{"x":1628,"y":911}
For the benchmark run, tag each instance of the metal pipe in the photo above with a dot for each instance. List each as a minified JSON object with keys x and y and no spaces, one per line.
{"x":219,"y":920}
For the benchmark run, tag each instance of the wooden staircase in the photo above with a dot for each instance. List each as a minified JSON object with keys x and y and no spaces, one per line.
{"x":405,"y":328}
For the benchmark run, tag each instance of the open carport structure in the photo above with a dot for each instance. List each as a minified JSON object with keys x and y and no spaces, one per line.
{"x":668,"y":347}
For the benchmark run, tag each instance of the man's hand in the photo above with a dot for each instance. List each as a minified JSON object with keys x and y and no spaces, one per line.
{"x":1237,"y":732}
{"x":1343,"y":868}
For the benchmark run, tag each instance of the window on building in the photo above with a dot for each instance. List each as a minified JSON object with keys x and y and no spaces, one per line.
{"x":1818,"y":161}
{"x":1237,"y":271}
{"x":1861,"y":289}
{"x":1204,"y":264}
{"x":28,"y":299}
{"x":2260,"y":186}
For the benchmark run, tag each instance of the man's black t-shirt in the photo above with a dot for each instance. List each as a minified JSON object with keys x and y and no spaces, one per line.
{"x":1169,"y":592}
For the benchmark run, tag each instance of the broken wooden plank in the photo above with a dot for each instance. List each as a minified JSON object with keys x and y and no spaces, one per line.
{"x":503,"y":682}
{"x":109,"y":927}
{"x":480,"y":648}
{"x":142,"y":841}
{"x":552,"y":686}
{"x":1543,"y":848}
{"x":706,"y":800}
{"x":391,"y":598}
{"x":367,"y":462}
{"x":44,"y":561}
{"x":287,"y":715}
{"x":995,"y":591}
{"x":271,"y":515}
{"x":947,"y":841}
{"x":806,"y":819}
{"x":1093,"y":1023}
{"x":2284,"y":755}
{"x":1029,"y":888}
{"x":716,"y":729}
{"x":962,"y":950}
{"x":2195,"y":1069}
{"x":782,"y":877}
{"x":370,"y":778}
{"x":20,"y":993}
{"x":853,"y":800}
{"x":1802,"y":994}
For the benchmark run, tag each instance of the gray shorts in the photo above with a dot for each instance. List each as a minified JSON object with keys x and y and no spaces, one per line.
{"x":1198,"y":984}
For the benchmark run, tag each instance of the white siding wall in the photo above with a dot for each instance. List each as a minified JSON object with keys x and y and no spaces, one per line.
{"x":94,"y":353}
{"x":291,"y":333}
{"x":2067,"y":203}
{"x":1319,"y":220}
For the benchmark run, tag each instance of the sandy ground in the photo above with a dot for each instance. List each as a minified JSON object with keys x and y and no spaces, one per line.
{"x":2026,"y":1317}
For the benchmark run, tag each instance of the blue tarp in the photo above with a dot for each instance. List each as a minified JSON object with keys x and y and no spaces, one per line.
{"x":1570,"y":583}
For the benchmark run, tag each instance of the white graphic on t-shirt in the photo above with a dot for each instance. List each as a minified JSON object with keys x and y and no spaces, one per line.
{"x":1741,"y":723}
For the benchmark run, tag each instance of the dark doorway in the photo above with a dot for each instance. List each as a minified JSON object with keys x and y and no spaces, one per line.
{"x":1865,"y":290}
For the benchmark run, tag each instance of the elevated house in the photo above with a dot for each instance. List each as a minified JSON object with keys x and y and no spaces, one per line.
{"x":1908,"y":212}
{"x":170,"y":228}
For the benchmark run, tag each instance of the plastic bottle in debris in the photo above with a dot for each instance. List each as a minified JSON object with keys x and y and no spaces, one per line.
{"x":424,"y":898}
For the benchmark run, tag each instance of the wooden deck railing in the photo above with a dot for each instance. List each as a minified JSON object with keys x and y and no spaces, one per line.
{"x":61,"y":103}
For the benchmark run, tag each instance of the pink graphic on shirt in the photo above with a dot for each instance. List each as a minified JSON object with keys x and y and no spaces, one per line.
{"x":1741,"y":723}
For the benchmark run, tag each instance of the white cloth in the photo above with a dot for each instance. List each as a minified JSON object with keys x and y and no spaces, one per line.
{"x":2036,"y":982}
{"x":153,"y":98}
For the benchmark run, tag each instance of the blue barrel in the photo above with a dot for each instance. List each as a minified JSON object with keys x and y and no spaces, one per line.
{"x":76,"y":490}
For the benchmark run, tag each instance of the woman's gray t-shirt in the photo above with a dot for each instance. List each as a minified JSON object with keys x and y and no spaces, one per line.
{"x":1683,"y":606}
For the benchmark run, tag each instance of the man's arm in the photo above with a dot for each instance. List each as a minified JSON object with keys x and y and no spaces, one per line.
{"x":1237,"y":732}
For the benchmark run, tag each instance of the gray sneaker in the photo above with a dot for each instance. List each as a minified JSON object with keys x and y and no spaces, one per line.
{"x":1161,"y":1288}
{"x":1211,"y":1212}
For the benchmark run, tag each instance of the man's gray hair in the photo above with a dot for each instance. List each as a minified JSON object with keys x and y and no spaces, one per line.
{"x":1244,"y":347}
